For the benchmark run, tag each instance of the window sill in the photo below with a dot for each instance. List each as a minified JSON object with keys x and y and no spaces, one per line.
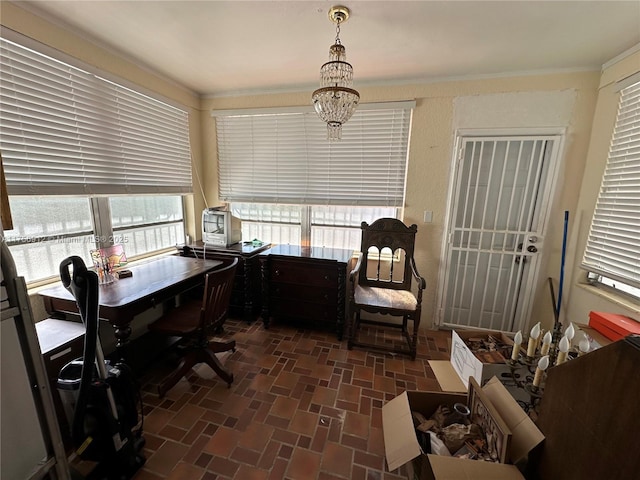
{"x":611,"y":296}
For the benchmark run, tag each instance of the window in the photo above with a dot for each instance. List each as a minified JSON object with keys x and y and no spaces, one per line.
{"x":339,"y":227}
{"x":49,"y":229}
{"x":331,"y":227}
{"x":88,"y":162}
{"x":290,"y":185}
{"x":612,"y":255}
{"x":147,"y":224}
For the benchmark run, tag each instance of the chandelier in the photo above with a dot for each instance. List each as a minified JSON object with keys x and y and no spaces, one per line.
{"x":335,"y":100}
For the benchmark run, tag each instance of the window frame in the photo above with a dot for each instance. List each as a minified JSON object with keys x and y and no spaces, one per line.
{"x":610,"y":249}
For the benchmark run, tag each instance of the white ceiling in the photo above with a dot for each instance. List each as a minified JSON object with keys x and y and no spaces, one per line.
{"x":241,"y":47}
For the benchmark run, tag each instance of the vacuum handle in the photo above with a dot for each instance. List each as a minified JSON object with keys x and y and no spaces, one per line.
{"x":78,"y":285}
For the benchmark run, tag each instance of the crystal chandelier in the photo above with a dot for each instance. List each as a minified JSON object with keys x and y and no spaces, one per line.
{"x":335,"y":100}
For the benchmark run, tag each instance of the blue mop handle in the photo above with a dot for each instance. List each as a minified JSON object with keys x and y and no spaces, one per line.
{"x":564,"y":252}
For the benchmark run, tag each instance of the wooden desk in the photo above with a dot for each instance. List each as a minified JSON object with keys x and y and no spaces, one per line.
{"x":305,"y":284}
{"x":246,"y":298}
{"x":152,"y":283}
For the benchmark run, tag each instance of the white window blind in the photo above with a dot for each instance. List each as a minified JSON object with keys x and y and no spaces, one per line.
{"x":64,"y":131}
{"x":613,"y":245}
{"x":285,"y":157}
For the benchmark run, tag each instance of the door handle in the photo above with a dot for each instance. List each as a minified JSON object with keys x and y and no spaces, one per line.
{"x":520,"y":258}
{"x":532,"y":249}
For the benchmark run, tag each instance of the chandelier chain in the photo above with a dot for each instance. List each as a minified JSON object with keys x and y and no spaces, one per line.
{"x":338,"y":32}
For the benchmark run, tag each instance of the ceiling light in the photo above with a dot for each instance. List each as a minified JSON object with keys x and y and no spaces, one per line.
{"x":335,"y":100}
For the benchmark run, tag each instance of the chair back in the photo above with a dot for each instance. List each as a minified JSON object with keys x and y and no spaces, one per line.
{"x":387,"y":254}
{"x":217,"y":296}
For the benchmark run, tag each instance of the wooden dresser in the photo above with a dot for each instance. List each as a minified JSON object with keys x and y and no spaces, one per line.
{"x":589,"y":416}
{"x":305,"y":285}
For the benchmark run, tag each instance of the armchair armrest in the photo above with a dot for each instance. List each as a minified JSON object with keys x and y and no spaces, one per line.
{"x":420,"y":281}
{"x":353,"y":275}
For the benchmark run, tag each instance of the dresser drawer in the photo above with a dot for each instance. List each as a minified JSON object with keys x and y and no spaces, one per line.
{"x":300,"y":310}
{"x":283,"y":271}
{"x":281,"y":292}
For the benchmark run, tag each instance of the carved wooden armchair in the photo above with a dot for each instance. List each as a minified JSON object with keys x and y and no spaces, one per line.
{"x":381,"y":284}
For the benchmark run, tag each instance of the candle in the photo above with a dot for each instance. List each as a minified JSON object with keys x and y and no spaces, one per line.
{"x":570,"y":332}
{"x":539,"y":339}
{"x":546,"y":344}
{"x":543,"y":363}
{"x":584,"y":345}
{"x":517,"y":341}
{"x":533,"y":337}
{"x":564,"y":349}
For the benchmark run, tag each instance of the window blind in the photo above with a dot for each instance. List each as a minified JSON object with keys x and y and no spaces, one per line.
{"x":65,"y":131}
{"x":613,"y":245}
{"x":285,"y":157}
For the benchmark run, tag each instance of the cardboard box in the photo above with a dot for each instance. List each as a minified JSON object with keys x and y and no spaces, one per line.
{"x":401,"y":444}
{"x":453,"y":375}
{"x":612,"y":325}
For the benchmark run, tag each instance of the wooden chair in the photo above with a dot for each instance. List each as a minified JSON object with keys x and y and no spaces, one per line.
{"x":381,"y":284}
{"x":195,"y":321}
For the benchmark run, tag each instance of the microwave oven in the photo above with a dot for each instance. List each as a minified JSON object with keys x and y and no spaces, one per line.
{"x":220,"y":228}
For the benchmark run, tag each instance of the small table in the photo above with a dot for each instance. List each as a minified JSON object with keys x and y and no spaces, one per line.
{"x":152,"y":283}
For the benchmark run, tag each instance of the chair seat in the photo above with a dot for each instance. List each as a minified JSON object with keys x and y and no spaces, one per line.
{"x":180,"y":321}
{"x":385,"y":298}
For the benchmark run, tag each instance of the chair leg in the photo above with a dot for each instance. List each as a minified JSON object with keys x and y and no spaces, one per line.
{"x":414,"y":343}
{"x":217,"y":346}
{"x":207,"y":356}
{"x":187,"y":363}
{"x":353,"y":327}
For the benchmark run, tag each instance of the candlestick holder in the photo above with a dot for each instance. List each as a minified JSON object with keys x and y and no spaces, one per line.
{"x":522,"y":371}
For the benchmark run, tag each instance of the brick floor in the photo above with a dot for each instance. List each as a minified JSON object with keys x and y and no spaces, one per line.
{"x":302,"y":406}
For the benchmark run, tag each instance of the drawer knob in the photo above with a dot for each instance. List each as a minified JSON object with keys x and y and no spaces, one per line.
{"x":276,"y":272}
{"x":326,"y":277}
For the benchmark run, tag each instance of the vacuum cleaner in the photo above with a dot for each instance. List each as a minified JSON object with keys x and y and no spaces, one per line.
{"x":102,"y":401}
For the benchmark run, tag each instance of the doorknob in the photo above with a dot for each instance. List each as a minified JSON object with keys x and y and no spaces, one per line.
{"x":520,"y":257}
{"x":532,"y":249}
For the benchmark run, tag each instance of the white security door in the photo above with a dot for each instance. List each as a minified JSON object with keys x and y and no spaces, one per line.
{"x":499,"y":207}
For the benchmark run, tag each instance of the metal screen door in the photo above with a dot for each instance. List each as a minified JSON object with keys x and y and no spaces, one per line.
{"x":499,"y":206}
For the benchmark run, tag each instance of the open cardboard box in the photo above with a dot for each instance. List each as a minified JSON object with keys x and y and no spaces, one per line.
{"x":402,"y":447}
{"x":453,"y":375}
